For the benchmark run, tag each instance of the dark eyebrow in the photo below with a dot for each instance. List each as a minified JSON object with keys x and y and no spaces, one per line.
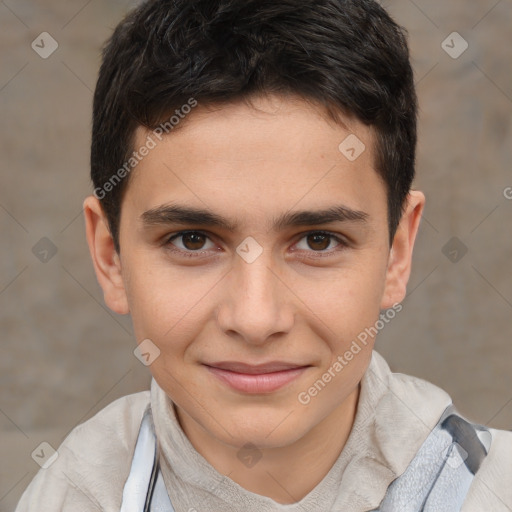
{"x":178,"y":214}
{"x":306,"y":217}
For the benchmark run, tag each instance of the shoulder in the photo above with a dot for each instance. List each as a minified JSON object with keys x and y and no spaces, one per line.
{"x":93,"y":462}
{"x":491,"y":488}
{"x":115,"y":425}
{"x":414,"y":404}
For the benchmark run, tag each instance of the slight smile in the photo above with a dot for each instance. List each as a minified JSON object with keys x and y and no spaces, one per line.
{"x":254,"y":379}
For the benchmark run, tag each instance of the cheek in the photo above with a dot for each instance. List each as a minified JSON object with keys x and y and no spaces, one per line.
{"x":166,"y":303}
{"x":346,"y":301}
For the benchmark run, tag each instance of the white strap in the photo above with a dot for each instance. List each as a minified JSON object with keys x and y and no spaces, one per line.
{"x":144,"y":489}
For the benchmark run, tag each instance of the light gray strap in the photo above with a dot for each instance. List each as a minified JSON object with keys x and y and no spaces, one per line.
{"x":439,"y":476}
{"x":144,"y":490}
{"x":160,"y":501}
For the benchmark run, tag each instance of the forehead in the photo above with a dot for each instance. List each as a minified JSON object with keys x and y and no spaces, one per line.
{"x":273,"y":153}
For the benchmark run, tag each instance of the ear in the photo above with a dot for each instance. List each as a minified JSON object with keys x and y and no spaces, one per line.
{"x":107,"y":262}
{"x":400,"y":256}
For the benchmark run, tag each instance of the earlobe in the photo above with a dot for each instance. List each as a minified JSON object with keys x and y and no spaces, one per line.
{"x":400,"y":256}
{"x":106,"y":261}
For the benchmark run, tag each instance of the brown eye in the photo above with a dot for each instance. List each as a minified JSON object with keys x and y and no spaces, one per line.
{"x":190,"y":241}
{"x":319,"y":241}
{"x":193,"y":241}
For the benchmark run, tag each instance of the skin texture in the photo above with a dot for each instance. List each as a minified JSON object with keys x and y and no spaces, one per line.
{"x":303,"y":300}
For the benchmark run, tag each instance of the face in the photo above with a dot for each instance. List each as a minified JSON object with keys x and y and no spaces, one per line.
{"x":253,"y":254}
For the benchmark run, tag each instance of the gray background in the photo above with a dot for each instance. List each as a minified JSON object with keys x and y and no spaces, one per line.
{"x":65,"y":356}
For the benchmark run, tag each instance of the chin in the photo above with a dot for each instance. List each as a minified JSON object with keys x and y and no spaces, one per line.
{"x":265,"y":430}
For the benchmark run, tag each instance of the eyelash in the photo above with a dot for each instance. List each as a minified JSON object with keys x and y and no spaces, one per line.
{"x":197,"y":254}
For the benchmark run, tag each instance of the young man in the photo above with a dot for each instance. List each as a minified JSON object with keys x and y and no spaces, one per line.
{"x":253,"y":213}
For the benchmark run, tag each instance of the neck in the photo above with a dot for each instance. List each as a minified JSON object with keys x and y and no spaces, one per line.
{"x":280,"y":473}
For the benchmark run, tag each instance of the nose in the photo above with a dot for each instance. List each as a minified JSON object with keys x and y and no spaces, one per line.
{"x":257,"y":305}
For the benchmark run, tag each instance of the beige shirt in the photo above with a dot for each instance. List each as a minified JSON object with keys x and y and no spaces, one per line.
{"x":395,"y":414}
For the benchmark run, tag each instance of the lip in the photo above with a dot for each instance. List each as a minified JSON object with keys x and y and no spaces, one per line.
{"x":262,"y":378}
